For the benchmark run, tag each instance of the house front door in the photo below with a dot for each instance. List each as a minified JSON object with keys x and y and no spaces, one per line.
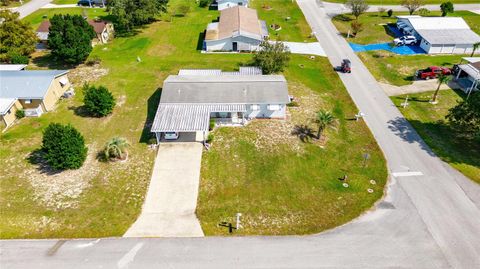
{"x":235,"y":46}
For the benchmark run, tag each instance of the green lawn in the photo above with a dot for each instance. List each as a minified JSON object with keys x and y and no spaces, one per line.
{"x":398,"y":2}
{"x":43,"y":14}
{"x":14,"y":3}
{"x":429,"y":121}
{"x":65,"y":2}
{"x":399,"y":70}
{"x":104,"y":199}
{"x":375,"y":25}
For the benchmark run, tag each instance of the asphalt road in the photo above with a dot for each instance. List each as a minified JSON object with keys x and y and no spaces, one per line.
{"x":429,"y":218}
{"x":31,"y":7}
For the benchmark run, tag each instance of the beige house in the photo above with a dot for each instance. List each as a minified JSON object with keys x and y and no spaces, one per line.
{"x":35,"y":92}
{"x":103,"y":30}
{"x":238,"y":29}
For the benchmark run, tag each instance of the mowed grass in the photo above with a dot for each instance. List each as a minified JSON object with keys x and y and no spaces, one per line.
{"x":287,"y":191}
{"x":375,"y":28}
{"x":392,"y":68}
{"x":398,"y":2}
{"x":300,"y":184}
{"x":45,"y":14}
{"x":399,"y":70}
{"x":429,"y":121}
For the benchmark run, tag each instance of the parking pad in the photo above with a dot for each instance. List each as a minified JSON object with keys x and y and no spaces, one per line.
{"x":402,"y":50}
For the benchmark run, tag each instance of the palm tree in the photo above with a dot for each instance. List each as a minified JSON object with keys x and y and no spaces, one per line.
{"x":442,"y":79}
{"x":324,"y":119}
{"x":116,"y":148}
{"x":475,"y":47}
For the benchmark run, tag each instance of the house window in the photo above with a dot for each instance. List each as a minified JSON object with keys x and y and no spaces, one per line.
{"x":28,"y":101}
{"x":273,"y":107}
{"x":254,"y":107}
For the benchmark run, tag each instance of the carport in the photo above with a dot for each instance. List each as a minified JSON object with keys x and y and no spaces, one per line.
{"x":192,"y":120}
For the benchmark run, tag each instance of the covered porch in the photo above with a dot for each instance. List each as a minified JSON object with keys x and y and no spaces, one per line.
{"x":468,"y":78}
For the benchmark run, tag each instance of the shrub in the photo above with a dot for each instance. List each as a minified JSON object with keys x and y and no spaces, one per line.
{"x":64,"y":147}
{"x":357,"y":27}
{"x":20,"y":113}
{"x":116,"y":148}
{"x":292,"y":104}
{"x":210,"y":138}
{"x":423,"y":11}
{"x":204,"y":3}
{"x":212,"y":124}
{"x":16,"y":58}
{"x":390,"y":13}
{"x":446,"y":8}
{"x":271,"y":58}
{"x":99,"y":102}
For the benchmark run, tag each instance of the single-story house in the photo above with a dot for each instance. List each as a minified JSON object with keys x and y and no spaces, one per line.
{"x":238,"y":29}
{"x":34,"y":91}
{"x":103,"y":29}
{"x":224,"y":4}
{"x":12,"y":67}
{"x":445,"y":35}
{"x":190,"y":100}
{"x":467,"y":75}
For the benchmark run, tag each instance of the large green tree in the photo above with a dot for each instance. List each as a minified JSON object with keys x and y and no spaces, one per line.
{"x":98,"y":101}
{"x":70,"y":38}
{"x":64,"y":147}
{"x":465,"y":116}
{"x":446,"y":8}
{"x":131,"y":13}
{"x":16,"y":37}
{"x":272,"y":57}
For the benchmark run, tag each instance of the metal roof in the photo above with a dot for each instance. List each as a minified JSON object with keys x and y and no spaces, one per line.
{"x":470,"y":70}
{"x":189,"y":117}
{"x":6,"y":104}
{"x":452,"y":36}
{"x":28,"y":84}
{"x":225,"y":89}
{"x":437,"y":23}
{"x":12,"y":67}
{"x":244,"y":70}
{"x":471,"y":59}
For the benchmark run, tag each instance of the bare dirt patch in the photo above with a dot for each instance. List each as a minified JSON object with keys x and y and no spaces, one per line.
{"x":61,"y":190}
{"x":86,"y":73}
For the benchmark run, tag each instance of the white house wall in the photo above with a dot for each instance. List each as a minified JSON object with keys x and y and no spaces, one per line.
{"x":263,"y":112}
{"x":243,"y":43}
{"x":229,"y":4}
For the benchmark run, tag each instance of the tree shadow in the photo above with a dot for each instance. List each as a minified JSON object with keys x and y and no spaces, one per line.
{"x":303,"y":132}
{"x":80,"y":111}
{"x":36,"y":158}
{"x":403,"y":129}
{"x":152,"y":105}
{"x":50,"y":62}
{"x":389,"y":31}
{"x":343,"y":17}
{"x":200,"y":41}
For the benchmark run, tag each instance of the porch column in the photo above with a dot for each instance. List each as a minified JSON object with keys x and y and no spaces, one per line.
{"x":458,"y":74}
{"x":158,"y":136}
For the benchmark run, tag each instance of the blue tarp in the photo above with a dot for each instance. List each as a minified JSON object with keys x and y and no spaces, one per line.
{"x":402,"y":50}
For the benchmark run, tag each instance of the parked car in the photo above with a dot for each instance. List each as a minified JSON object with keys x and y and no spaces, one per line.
{"x":405,"y":40}
{"x":432,"y":72}
{"x":171,"y":135}
{"x":346,"y":66}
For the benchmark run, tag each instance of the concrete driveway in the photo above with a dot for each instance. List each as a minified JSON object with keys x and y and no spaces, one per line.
{"x":313,"y":48}
{"x":169,"y":208}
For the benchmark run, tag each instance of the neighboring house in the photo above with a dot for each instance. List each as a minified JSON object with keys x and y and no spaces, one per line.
{"x":12,"y":67}
{"x":35,"y":92}
{"x":237,"y":30}
{"x":224,"y":4}
{"x":467,"y":75}
{"x":103,"y":29}
{"x":446,"y":35}
{"x":190,"y":100}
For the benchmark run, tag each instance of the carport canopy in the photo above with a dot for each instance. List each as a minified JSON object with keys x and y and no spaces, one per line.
{"x":189,"y":117}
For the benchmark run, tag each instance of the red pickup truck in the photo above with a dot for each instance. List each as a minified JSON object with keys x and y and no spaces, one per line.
{"x":432,"y":72}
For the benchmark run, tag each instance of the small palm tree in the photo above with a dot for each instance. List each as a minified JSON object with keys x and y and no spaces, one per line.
{"x":442,"y":79}
{"x":116,"y":148}
{"x":324,"y":119}
{"x":475,"y":47}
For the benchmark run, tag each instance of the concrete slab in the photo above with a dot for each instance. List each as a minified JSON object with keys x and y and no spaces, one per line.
{"x":313,"y":48}
{"x":169,"y":208}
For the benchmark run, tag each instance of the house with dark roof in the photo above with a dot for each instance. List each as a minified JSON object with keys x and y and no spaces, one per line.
{"x":103,"y":29}
{"x":34,"y":91}
{"x":238,"y":29}
{"x":190,"y":100}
